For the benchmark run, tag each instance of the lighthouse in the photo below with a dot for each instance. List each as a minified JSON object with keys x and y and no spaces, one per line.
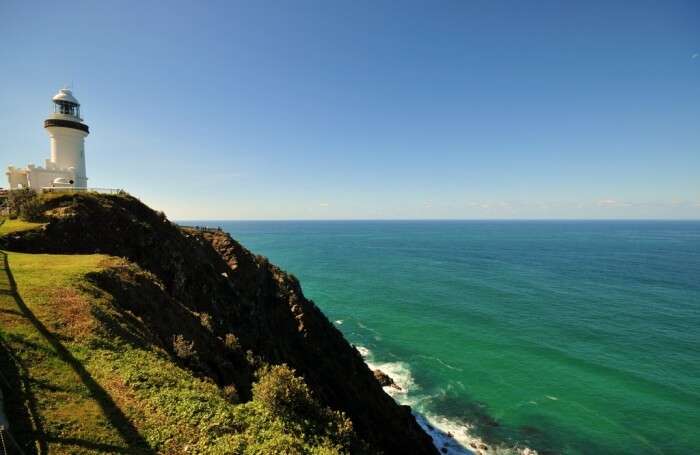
{"x":68,"y":132}
{"x":66,"y":166}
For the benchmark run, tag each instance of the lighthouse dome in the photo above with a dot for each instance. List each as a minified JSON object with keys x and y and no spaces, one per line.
{"x":66,"y":96}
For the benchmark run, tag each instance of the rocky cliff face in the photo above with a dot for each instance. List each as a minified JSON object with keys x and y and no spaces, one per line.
{"x":231,"y":309}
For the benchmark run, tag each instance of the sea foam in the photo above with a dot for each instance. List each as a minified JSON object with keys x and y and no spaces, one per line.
{"x":449,"y":436}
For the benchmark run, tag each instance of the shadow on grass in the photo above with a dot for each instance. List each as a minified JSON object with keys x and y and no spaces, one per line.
{"x":135,"y":443}
{"x":20,"y":405}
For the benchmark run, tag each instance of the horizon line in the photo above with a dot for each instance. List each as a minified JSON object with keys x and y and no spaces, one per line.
{"x":431,"y":219}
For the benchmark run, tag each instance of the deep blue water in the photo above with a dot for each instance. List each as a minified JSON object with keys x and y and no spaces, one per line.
{"x":568,"y":336}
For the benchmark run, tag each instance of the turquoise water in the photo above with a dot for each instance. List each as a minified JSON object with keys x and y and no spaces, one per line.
{"x":573,"y":337}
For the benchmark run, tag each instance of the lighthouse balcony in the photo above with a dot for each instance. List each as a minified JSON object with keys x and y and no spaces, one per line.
{"x":66,"y":121}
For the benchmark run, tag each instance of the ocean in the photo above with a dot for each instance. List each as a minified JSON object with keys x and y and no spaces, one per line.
{"x":562,"y":336}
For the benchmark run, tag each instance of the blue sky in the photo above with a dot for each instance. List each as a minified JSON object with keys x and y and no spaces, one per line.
{"x":296,"y":109}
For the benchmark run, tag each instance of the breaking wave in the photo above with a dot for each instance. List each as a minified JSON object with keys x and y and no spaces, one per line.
{"x":450,"y":437}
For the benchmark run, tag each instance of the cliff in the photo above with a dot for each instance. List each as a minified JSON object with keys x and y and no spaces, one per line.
{"x":221,"y":314}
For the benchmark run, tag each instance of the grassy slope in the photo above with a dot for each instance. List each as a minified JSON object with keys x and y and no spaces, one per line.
{"x":8,"y":226}
{"x":94,"y":392}
{"x":91,"y":384}
{"x":86,"y":378}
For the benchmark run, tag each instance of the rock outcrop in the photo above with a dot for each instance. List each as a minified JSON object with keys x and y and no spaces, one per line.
{"x":385,"y":380}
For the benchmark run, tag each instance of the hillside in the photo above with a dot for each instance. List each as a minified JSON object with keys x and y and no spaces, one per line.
{"x":124,"y":333}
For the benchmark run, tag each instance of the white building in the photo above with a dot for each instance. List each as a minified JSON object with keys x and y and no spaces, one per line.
{"x":67,"y":133}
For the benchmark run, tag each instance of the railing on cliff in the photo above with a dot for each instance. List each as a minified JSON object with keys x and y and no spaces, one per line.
{"x":51,"y":189}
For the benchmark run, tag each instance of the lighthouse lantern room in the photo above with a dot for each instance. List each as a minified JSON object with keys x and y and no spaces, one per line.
{"x":66,"y":166}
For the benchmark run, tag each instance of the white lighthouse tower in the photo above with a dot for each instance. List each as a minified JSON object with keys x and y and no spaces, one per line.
{"x":67,"y":133}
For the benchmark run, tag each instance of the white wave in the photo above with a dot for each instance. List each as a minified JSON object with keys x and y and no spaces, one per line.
{"x":449,"y":436}
{"x":339,"y":322}
{"x":399,"y":372}
{"x":455,"y":438}
{"x":364,"y":352}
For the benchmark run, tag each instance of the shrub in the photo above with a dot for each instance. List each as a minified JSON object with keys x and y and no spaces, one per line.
{"x":161,"y":216}
{"x":30,"y":210}
{"x":24,"y":203}
{"x":206,"y":321}
{"x":231,"y":394}
{"x":282,"y":393}
{"x":262,"y":261}
{"x":182,"y":348}
{"x":231,"y":342}
{"x":285,"y":397}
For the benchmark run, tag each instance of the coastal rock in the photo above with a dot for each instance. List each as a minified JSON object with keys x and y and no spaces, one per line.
{"x":385,"y":380}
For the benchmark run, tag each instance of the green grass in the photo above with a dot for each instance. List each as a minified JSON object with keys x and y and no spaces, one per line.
{"x":93,"y":392}
{"x":83,"y":378}
{"x":9,"y":226}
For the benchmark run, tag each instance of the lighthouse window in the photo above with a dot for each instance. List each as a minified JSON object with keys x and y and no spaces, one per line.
{"x":65,"y":108}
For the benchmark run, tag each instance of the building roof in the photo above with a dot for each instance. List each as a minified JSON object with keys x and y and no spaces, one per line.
{"x":66,"y":95}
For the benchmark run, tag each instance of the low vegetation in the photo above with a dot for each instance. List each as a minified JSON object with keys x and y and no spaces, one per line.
{"x":24,"y":204}
{"x":88,"y":379}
